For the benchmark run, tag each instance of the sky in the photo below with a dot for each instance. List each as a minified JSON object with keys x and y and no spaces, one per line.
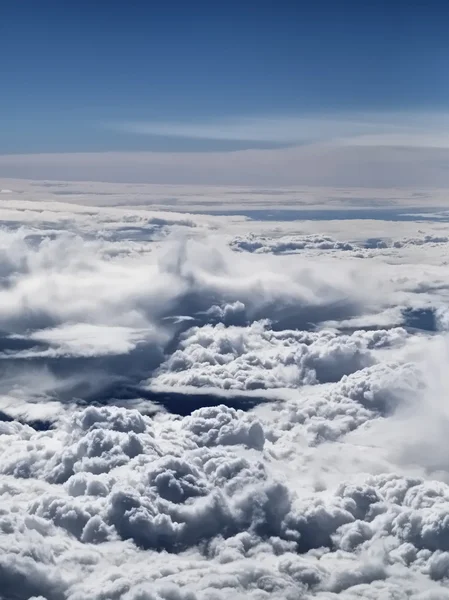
{"x":216,"y":76}
{"x":226,"y":93}
{"x":235,"y":390}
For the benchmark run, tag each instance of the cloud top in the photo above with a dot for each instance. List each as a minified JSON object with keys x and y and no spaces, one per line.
{"x":206,"y":408}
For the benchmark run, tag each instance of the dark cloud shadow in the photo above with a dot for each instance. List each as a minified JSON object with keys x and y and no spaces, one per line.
{"x":37,"y":424}
{"x":177,"y":403}
{"x":308,"y":317}
{"x":344,"y":214}
{"x":423,"y":319}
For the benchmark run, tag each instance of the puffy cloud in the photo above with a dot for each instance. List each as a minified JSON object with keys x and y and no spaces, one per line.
{"x":230,"y":527}
{"x":255,"y":357}
{"x":330,"y":482}
{"x":288,"y":245}
{"x":293,"y":244}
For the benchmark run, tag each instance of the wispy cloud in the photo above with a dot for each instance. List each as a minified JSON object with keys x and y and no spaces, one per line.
{"x":424,"y":129}
{"x":405,"y":140}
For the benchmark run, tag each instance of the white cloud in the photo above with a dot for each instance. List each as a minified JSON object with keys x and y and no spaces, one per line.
{"x":84,"y":339}
{"x":330,"y":482}
{"x":389,"y":162}
{"x":54,"y":199}
{"x":255,"y":357}
{"x":383,"y":129}
{"x":293,"y":244}
{"x":268,"y":129}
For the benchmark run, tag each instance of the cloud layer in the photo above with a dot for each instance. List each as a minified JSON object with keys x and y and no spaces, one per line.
{"x":384,"y":129}
{"x":204,"y":408}
{"x":382,"y":162}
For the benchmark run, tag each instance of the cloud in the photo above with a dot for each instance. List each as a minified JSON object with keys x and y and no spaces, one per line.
{"x":84,"y":339}
{"x":50,"y":200}
{"x":87,"y":298}
{"x":286,"y":245}
{"x":331,"y":481}
{"x":293,"y":244}
{"x":385,"y":129}
{"x":329,"y":163}
{"x":120,"y":489}
{"x":285,"y":130}
{"x":256,"y":357}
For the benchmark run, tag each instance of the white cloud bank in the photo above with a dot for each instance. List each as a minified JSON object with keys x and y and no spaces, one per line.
{"x":379,"y":161}
{"x":316,"y":463}
{"x":367,"y":150}
{"x":33,"y":196}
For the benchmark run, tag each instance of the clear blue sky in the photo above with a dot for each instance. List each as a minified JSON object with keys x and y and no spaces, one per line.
{"x":77,"y":76}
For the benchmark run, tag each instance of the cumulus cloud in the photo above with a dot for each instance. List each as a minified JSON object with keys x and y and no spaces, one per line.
{"x":288,"y":245}
{"x":131,"y":466}
{"x":291,"y":244}
{"x":253,"y":357}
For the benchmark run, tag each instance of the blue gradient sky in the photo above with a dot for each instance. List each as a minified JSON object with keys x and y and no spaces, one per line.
{"x":182,"y":76}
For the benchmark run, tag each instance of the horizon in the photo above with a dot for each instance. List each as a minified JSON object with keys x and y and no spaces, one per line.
{"x":307,"y":85}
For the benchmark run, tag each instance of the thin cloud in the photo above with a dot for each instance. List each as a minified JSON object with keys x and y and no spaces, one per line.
{"x":335,"y":164}
{"x":271,"y":129}
{"x":421,"y":127}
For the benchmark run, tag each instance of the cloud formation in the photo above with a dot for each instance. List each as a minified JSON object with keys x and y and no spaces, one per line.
{"x":131,"y":467}
{"x":382,"y":162}
{"x":256,"y":357}
{"x":385,"y":129}
{"x":293,"y":244}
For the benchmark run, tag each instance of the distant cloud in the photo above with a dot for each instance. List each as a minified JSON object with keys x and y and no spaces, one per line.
{"x":340,"y":163}
{"x":417,"y":129}
{"x":361,"y":150}
{"x":401,"y":140}
{"x":286,"y":130}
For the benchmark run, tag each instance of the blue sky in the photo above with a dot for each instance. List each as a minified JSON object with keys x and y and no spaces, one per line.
{"x":182,"y":76}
